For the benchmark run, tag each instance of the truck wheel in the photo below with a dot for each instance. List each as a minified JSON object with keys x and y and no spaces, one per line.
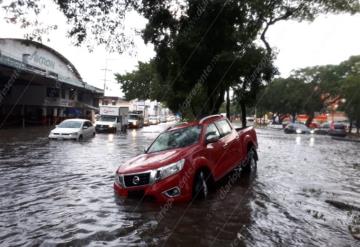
{"x":80,"y":138}
{"x":200,"y":190}
{"x":250,"y":164}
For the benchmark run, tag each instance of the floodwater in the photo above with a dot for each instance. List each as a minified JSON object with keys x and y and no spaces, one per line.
{"x":306,"y":192}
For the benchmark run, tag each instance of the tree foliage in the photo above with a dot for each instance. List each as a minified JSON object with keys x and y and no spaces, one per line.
{"x":316,"y":89}
{"x":138,"y":83}
{"x":188,"y":36}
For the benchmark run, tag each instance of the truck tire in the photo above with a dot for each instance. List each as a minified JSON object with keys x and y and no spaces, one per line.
{"x":200,"y":190}
{"x":250,"y":163}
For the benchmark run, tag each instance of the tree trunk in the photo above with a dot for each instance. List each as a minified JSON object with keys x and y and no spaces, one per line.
{"x":228,"y":103}
{"x":350,"y":126}
{"x":217,"y":103}
{"x":293,"y":115}
{"x":310,"y":119}
{"x":243,"y":114}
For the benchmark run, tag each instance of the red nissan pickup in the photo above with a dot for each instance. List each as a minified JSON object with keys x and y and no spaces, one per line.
{"x":183,"y":161}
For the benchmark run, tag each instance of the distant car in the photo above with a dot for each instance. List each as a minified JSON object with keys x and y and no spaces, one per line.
{"x":323,"y":129}
{"x":297,"y":128}
{"x":163,"y":119}
{"x":314,"y":125}
{"x":250,"y":121}
{"x":154,"y":120}
{"x":337,"y":129}
{"x":73,"y":129}
{"x":273,"y":125}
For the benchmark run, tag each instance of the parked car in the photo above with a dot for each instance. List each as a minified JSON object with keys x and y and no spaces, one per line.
{"x":273,"y":125}
{"x":337,"y":129}
{"x":323,"y":129}
{"x":73,"y":129}
{"x":297,"y":128}
{"x":314,"y":125}
{"x":186,"y":159}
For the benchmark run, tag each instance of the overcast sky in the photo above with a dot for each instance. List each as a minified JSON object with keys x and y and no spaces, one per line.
{"x":328,"y":40}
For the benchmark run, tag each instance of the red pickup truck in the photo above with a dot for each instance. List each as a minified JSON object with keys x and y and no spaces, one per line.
{"x":186,"y":159}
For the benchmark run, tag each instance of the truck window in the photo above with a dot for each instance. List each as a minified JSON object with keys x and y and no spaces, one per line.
{"x":224,"y":127}
{"x":212,"y":131}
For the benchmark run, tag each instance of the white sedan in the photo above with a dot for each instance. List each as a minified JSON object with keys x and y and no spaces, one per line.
{"x":73,"y":129}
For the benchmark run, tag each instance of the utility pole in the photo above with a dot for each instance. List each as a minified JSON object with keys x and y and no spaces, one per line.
{"x":105,"y":73}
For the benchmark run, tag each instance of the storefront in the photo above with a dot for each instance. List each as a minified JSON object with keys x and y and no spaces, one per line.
{"x":40,"y":86}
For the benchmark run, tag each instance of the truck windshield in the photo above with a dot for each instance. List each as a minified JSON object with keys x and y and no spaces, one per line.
{"x":108,"y":118}
{"x":175,"y":139}
{"x":134,"y":117}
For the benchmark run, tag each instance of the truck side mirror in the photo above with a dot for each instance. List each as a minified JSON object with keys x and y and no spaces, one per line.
{"x":145,"y":150}
{"x":212,"y":139}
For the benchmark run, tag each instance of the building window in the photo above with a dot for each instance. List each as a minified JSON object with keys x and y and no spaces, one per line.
{"x":52,"y":92}
{"x":80,"y":96}
{"x":63,"y":93}
{"x":105,"y":102}
{"x":72,"y":94}
{"x":113,"y":102}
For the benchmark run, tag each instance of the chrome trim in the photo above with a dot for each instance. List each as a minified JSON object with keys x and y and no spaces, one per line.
{"x":151,"y":178}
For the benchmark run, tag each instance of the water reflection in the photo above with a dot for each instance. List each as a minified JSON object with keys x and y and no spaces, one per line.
{"x":60,"y":193}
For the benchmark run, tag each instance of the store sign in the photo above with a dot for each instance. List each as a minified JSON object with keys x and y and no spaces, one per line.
{"x":41,"y":60}
{"x":59,"y":102}
{"x":109,"y":111}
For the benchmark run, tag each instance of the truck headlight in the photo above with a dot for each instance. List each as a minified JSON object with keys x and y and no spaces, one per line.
{"x":111,"y":125}
{"x":169,"y":170}
{"x":298,"y":131}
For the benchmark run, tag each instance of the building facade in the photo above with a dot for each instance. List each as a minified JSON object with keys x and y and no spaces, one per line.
{"x":38,"y":85}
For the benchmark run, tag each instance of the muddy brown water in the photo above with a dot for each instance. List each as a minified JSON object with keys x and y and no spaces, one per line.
{"x":306,"y":192}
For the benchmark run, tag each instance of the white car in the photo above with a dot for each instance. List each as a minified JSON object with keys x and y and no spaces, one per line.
{"x":73,"y":129}
{"x":153,"y":120}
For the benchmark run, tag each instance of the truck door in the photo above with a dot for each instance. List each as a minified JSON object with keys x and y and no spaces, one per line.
{"x":229,"y":140}
{"x":214,"y":150}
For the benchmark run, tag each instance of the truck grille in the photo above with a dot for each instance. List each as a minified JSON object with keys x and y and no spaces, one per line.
{"x":137,"y":179}
{"x":102,"y":126}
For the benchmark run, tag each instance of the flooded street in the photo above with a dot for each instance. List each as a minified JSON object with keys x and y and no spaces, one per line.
{"x":306,"y":192}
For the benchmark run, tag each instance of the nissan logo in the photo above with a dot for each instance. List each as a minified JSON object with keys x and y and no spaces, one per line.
{"x":136,"y":180}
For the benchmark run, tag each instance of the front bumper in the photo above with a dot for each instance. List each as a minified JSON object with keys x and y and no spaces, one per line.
{"x":159,"y":191}
{"x":134,"y":126}
{"x":104,"y":128}
{"x":63,"y":137}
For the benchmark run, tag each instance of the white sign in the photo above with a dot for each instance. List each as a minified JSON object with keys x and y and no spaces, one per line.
{"x":109,"y":111}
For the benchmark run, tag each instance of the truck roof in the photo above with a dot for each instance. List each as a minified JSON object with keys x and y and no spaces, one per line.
{"x":204,"y":120}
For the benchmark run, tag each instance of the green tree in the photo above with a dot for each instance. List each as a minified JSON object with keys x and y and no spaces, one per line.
{"x":188,"y":36}
{"x":291,"y":96}
{"x":138,"y":83}
{"x":351,"y":91}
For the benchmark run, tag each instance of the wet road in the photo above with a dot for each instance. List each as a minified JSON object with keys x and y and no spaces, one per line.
{"x":306,"y":192}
